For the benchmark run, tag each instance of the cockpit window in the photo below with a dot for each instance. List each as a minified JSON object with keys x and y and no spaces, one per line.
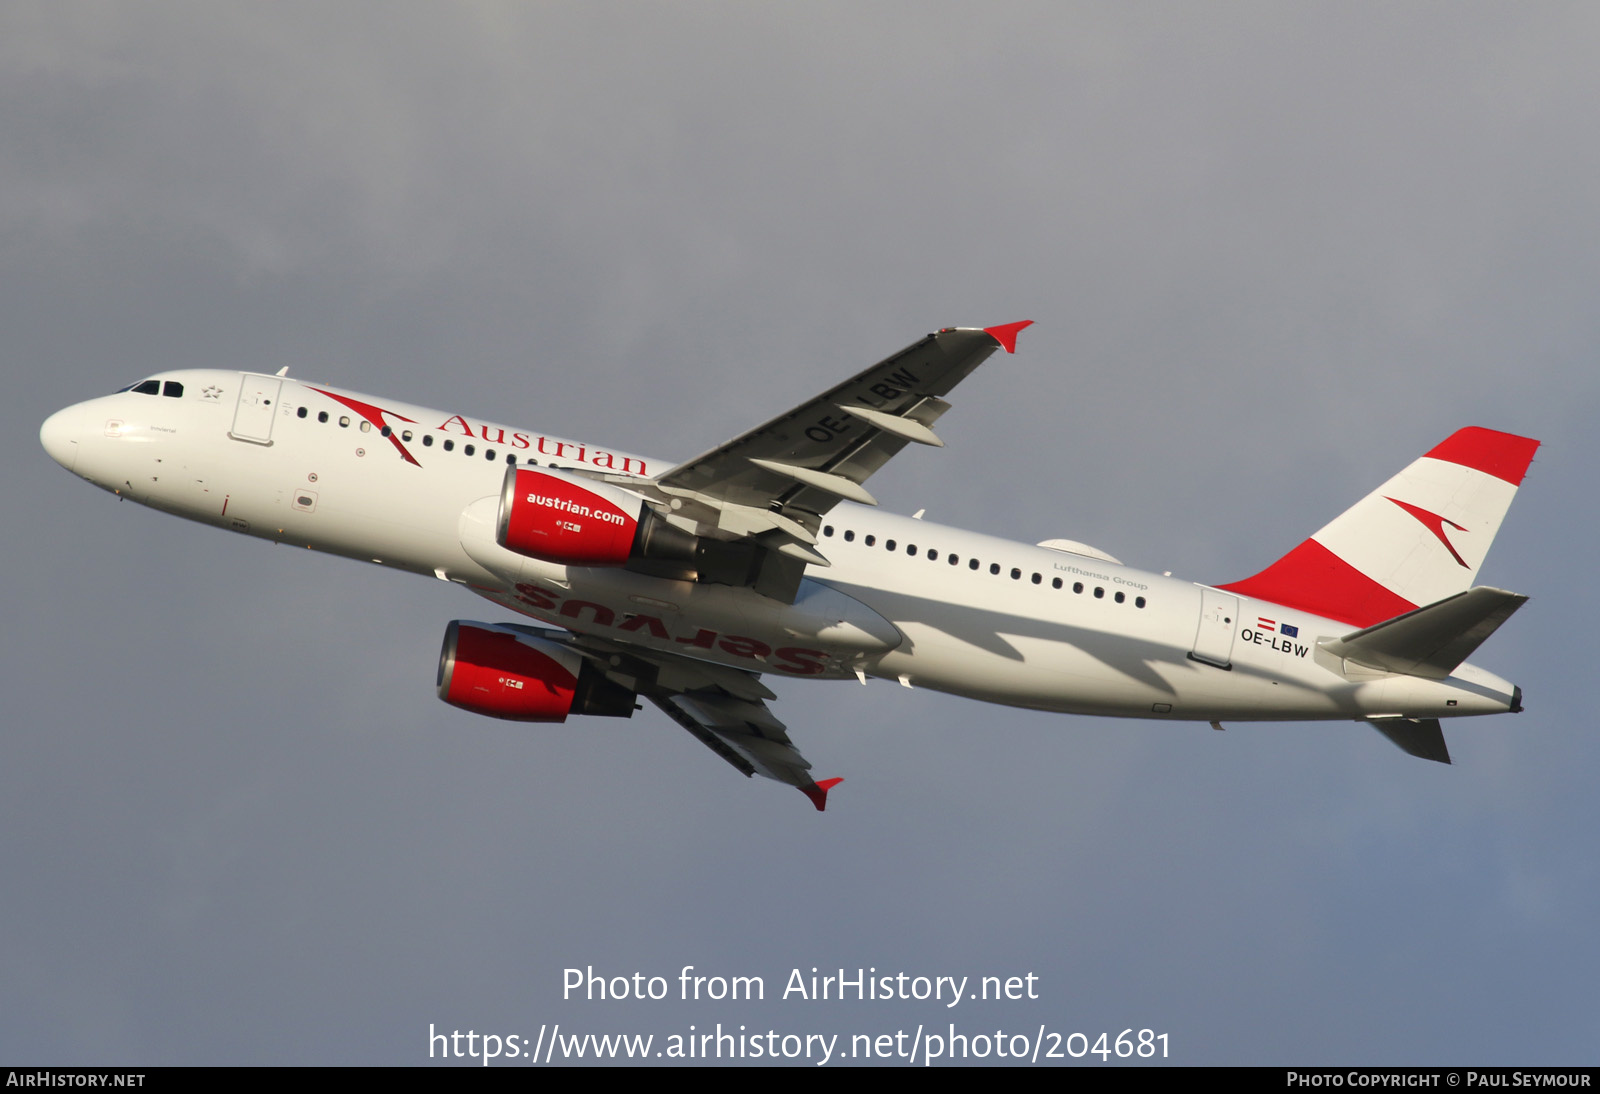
{"x":172,"y":389}
{"x":149,"y":387}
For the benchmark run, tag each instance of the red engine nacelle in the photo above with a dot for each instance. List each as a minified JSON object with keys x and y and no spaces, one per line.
{"x":575,"y":521}
{"x":504,"y":673}
{"x":556,"y":516}
{"x":560,"y":519}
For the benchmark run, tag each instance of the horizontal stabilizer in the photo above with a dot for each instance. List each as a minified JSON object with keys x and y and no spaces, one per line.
{"x":1421,"y":737}
{"x":1429,"y":642}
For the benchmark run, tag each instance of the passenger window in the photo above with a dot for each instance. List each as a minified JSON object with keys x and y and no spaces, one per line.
{"x":1037,"y":579}
{"x":488,"y":453}
{"x":301,"y":413}
{"x":427,"y":440}
{"x":954,"y":560}
{"x":973,"y":564}
{"x":1016,"y":574}
{"x":322,"y":416}
{"x":888,"y":545}
{"x":1138,"y":602}
{"x":994,"y":568}
{"x":511,"y":458}
{"x":1055,"y":583}
{"x":405,"y":434}
{"x":849,"y":535}
{"x":1120,"y":597}
{"x":1099,"y":593}
{"x":911,"y":548}
{"x":172,"y":389}
{"x":449,"y":445}
{"x":466,"y":449}
{"x":344,"y":421}
{"x":870,"y":540}
{"x":366,"y":426}
{"x":1077,"y":586}
{"x":386,"y":431}
{"x":827,"y":529}
{"x":933,"y":556}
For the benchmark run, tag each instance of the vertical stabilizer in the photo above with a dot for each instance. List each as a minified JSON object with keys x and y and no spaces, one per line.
{"x":1417,"y":539}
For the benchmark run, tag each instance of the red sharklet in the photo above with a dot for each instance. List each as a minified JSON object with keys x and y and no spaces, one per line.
{"x":818,"y":792}
{"x":1006,"y":334}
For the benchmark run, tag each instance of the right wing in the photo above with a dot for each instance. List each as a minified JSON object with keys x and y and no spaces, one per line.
{"x":768,"y":488}
{"x":823,"y":450}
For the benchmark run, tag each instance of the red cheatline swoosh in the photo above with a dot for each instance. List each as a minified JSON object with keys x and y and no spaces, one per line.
{"x":375,"y":416}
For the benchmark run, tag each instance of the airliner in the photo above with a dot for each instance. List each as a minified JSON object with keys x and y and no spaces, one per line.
{"x":632,"y":579}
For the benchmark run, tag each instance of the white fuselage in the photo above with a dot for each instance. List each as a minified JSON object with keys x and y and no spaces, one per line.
{"x":905,"y":599}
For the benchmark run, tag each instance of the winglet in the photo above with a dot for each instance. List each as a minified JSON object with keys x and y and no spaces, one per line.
{"x":818,"y":792}
{"x":1006,"y":334}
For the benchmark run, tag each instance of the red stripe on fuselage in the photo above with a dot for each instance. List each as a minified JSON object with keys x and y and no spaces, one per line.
{"x":1314,"y":579}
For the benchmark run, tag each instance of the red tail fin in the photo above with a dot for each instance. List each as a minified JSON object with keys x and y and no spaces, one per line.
{"x":1417,"y":539}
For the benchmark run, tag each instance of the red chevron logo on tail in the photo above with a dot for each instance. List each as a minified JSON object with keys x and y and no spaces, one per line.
{"x":1434,"y":523}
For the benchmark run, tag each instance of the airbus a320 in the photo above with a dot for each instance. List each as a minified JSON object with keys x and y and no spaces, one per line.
{"x":684,"y":584}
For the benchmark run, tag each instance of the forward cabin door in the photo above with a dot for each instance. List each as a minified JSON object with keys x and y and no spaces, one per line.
{"x":258,"y":406}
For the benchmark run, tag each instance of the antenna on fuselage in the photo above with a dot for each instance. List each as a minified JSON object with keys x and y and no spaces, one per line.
{"x":284,"y":371}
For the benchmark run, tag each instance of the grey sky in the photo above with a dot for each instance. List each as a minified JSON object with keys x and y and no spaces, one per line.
{"x":1274,"y":252}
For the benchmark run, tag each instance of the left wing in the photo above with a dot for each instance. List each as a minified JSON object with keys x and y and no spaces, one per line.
{"x":745,"y":733}
{"x":724,"y":708}
{"x":773,"y":484}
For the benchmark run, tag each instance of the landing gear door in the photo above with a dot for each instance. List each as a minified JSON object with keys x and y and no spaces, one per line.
{"x":1213,"y":639}
{"x":258,"y":405}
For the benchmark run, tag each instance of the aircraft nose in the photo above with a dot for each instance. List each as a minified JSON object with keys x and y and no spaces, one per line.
{"x":58,"y":434}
